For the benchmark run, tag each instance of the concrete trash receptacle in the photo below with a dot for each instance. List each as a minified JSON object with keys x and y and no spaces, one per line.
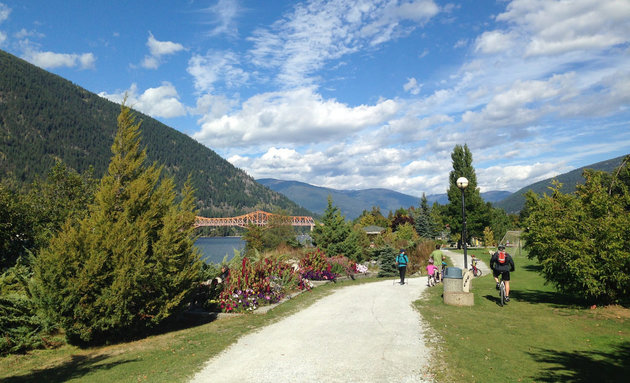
{"x":453,"y":280}
{"x":454,"y":293}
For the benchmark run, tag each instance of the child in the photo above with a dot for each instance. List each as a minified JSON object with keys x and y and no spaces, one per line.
{"x":432,"y":271}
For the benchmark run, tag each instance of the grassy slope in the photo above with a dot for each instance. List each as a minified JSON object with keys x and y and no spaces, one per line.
{"x":539,"y":336}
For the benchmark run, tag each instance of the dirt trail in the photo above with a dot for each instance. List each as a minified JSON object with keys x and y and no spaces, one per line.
{"x":361,"y":333}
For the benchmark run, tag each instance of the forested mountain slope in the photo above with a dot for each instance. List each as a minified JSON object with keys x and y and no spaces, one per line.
{"x":515,"y":202}
{"x":44,"y":118}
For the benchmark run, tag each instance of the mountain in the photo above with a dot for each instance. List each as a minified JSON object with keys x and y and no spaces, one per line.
{"x":45,"y":118}
{"x":515,"y":202}
{"x":351,"y":203}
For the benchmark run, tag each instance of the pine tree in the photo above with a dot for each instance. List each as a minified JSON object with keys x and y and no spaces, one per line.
{"x":333,"y":231}
{"x":129,"y":264}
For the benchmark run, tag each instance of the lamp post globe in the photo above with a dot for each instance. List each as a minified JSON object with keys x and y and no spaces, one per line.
{"x":462,"y":183}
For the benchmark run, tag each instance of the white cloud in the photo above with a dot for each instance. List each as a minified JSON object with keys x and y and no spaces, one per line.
{"x":494,"y":42}
{"x":5,"y":11}
{"x":216,"y":67}
{"x":159,"y":49}
{"x":515,"y":177}
{"x":298,"y":116}
{"x":556,"y":27}
{"x":162,"y":101}
{"x":224,"y":13}
{"x":3,"y":38}
{"x":320,"y":31}
{"x":48,"y":60}
{"x":412,"y":86}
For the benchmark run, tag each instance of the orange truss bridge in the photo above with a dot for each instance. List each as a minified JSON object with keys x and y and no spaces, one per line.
{"x":259,"y":218}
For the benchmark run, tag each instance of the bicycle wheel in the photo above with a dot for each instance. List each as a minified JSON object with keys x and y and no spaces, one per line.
{"x":502,"y":293}
{"x":477,"y":272}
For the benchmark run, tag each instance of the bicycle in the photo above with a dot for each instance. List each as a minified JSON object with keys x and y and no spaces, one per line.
{"x":476,"y":271}
{"x":502,"y":295}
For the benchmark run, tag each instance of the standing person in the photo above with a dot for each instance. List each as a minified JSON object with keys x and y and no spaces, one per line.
{"x":401,"y":263}
{"x":502,"y":264}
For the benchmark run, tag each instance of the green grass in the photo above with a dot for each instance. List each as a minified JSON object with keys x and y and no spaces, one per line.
{"x":540,"y":336}
{"x":169,"y":357}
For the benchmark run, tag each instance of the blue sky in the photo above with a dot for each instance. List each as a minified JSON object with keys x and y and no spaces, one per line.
{"x":355,"y":94}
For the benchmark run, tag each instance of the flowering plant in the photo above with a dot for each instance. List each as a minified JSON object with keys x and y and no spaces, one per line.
{"x":315,"y":266}
{"x":258,"y":283}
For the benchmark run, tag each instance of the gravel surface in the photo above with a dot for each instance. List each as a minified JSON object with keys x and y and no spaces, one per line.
{"x":361,"y":333}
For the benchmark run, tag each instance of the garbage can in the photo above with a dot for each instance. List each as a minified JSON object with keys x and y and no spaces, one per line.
{"x":454,"y":293}
{"x":453,"y":280}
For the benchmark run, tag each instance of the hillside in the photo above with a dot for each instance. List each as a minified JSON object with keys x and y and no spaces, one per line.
{"x":44,"y":118}
{"x":351,"y":203}
{"x":515,"y":202}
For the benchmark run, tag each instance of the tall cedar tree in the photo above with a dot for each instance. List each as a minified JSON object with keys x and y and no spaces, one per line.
{"x":129,"y":264}
{"x":476,"y":209}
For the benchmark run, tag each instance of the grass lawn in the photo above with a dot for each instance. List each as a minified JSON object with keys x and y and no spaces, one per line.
{"x":169,"y":357}
{"x":540,"y":336}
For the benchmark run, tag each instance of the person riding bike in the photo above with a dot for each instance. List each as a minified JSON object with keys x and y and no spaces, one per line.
{"x":432,"y":270}
{"x":502,"y":264}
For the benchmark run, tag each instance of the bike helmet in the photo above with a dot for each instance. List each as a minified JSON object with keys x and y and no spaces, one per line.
{"x":501,"y":247}
{"x":430,"y":261}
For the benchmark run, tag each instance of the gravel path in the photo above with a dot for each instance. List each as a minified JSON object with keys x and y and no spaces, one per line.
{"x":361,"y":333}
{"x":458,"y":261}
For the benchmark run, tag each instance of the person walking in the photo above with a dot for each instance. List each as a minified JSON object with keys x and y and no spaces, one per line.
{"x":401,"y":262}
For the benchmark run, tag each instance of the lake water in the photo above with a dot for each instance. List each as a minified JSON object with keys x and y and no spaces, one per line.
{"x":214,"y":249}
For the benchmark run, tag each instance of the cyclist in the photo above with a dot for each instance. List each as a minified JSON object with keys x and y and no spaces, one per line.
{"x":432,"y":271}
{"x":502,"y":264}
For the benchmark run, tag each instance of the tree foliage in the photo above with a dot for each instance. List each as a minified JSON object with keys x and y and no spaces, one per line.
{"x":130,"y":263}
{"x":334,"y":235}
{"x":582,"y":240}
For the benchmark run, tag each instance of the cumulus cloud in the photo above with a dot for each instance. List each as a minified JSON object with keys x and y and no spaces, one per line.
{"x":49,"y":60}
{"x":298,"y":116}
{"x":515,"y":177}
{"x":159,"y":49}
{"x":494,"y":42}
{"x":162,"y":101}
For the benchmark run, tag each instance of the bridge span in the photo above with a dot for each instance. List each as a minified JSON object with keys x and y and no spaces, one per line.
{"x":258,"y":218}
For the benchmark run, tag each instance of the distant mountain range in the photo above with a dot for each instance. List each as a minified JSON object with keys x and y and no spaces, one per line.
{"x":352,"y":203}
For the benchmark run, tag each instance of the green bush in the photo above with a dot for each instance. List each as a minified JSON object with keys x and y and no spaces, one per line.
{"x":20,"y":327}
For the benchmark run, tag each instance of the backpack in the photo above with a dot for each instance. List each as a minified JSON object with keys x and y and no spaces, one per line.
{"x":501,"y":257}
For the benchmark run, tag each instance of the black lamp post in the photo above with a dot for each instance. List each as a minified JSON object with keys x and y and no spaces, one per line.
{"x":462,"y":183}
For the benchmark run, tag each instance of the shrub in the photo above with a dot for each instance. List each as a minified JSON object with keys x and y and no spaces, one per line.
{"x":315,"y":266}
{"x":387,"y":261}
{"x":20,"y":328}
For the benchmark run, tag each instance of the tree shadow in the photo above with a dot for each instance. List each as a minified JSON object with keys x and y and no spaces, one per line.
{"x":533,"y":268}
{"x":493,"y":298}
{"x":584,"y":366}
{"x":78,"y":366}
{"x":553,"y":298}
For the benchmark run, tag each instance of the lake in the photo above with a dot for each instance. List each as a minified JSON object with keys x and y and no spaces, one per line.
{"x":214,"y":249}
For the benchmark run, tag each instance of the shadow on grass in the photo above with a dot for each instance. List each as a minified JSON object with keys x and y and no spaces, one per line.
{"x":552,"y":298}
{"x":77,"y":367}
{"x":585,"y":366}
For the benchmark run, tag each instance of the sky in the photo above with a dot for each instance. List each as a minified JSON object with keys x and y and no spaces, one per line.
{"x":355,"y":94}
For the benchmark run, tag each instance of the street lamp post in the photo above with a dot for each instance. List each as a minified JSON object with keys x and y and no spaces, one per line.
{"x":462,"y":183}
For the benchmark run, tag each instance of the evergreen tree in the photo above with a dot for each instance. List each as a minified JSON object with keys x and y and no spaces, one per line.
{"x":333,"y":231}
{"x":424,"y":223}
{"x":130,"y":263}
{"x":476,"y":210}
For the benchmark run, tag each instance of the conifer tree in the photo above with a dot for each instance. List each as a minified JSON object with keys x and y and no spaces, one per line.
{"x":332,"y":235}
{"x":130,"y":263}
